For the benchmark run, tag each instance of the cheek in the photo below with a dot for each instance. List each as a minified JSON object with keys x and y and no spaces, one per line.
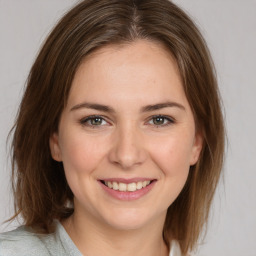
{"x":81,"y":154}
{"x":173,"y":160}
{"x":173,"y":157}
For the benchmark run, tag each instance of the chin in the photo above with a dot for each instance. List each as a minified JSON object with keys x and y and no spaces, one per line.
{"x":130,"y":219}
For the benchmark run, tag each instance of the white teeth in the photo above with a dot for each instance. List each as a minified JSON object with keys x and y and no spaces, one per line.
{"x":139,"y":185}
{"x":122,"y":187}
{"x":109,"y":184}
{"x":127,"y":187}
{"x":131,"y":187}
{"x":115,"y":186}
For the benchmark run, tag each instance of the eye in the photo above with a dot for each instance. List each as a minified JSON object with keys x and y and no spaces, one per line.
{"x":160,"y":120}
{"x":93,"y":121}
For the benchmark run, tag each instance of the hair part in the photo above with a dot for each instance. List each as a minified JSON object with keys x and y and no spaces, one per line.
{"x":40,"y":188}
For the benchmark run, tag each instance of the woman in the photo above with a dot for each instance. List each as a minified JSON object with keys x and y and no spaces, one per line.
{"x":118,"y":144}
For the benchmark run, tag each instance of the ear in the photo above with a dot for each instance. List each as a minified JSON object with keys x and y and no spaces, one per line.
{"x":54,"y":147}
{"x":196,"y":148}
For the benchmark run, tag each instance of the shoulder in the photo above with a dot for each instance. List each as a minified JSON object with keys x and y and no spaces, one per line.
{"x":175,"y":249}
{"x":23,"y":242}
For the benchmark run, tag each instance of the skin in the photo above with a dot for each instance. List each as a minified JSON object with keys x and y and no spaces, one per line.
{"x":127,"y":142}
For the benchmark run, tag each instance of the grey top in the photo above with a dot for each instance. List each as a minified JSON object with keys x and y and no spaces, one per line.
{"x":23,"y":242}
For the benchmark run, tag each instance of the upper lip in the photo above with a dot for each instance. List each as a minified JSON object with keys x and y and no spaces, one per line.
{"x":127,"y":181}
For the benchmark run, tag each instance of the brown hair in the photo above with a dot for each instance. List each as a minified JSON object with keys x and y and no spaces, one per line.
{"x":40,"y":189}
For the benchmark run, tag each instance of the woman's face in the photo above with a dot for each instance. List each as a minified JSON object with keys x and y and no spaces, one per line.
{"x":127,"y":136}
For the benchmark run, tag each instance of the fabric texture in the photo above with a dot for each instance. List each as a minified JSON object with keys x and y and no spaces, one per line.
{"x":23,"y":242}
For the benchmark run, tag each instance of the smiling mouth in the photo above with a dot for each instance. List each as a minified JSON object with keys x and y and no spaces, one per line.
{"x":130,"y":187}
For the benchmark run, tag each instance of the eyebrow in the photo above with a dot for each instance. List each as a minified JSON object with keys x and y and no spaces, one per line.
{"x":95,"y":106}
{"x":108,"y":109}
{"x":162,"y":105}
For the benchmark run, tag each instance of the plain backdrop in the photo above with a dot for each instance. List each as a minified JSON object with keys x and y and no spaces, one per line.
{"x":229,"y":27}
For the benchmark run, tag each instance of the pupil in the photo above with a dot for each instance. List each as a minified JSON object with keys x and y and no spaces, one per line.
{"x":96,"y":121}
{"x":158,"y":120}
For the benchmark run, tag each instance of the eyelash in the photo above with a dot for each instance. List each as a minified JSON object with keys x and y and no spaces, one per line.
{"x":86,"y":120}
{"x":167,"y":121}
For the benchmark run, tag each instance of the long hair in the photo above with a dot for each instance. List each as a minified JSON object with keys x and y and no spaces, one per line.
{"x":40,"y":188}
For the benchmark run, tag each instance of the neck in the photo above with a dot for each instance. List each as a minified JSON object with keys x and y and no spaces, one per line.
{"x":95,"y":238}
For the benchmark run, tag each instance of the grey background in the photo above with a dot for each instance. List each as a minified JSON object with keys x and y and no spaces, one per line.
{"x":229,"y":27}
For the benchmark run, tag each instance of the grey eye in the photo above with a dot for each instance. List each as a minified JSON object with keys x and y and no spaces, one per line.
{"x":159,"y":120}
{"x":96,"y":121}
{"x":93,"y":121}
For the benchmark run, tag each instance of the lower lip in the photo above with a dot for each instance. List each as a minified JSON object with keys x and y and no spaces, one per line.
{"x":128,"y":196}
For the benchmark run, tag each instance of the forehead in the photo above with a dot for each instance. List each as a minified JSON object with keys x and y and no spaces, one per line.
{"x":137,"y":69}
{"x":140,"y":44}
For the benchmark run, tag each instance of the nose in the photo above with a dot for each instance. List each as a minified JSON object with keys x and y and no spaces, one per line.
{"x":127,"y":148}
